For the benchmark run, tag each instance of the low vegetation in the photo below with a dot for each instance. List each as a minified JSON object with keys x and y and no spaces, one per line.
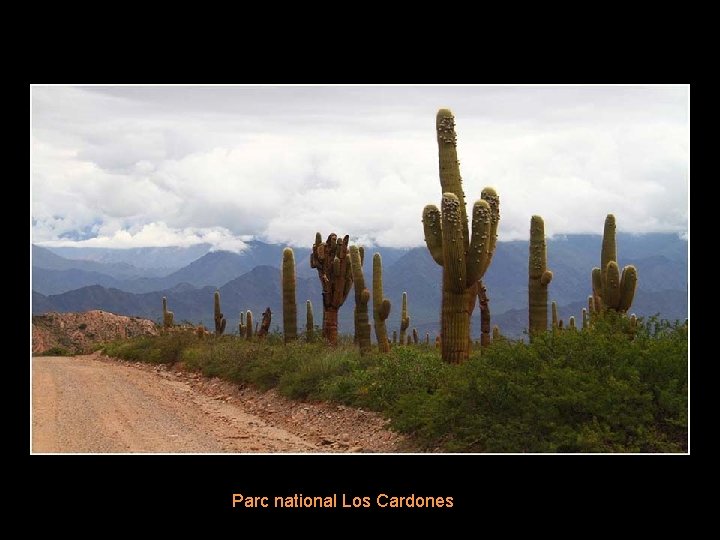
{"x":609,"y":389}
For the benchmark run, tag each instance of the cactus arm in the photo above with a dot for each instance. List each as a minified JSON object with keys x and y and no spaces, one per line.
{"x":477,"y":256}
{"x":362,"y":296}
{"x":611,"y":289}
{"x":490,"y":196}
{"x":432,"y":226}
{"x":628,"y":284}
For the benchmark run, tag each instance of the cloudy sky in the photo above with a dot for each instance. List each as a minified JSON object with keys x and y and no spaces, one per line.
{"x":128,"y":166}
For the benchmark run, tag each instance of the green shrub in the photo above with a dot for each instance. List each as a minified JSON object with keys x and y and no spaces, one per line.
{"x":604,"y":390}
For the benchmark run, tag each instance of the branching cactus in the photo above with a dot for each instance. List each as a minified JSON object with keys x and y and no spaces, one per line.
{"x":381,"y":306}
{"x":612,"y":289}
{"x":309,"y":322}
{"x":220,"y":321}
{"x":539,"y":277}
{"x":248,"y":324}
{"x":333,"y":265}
{"x":167,"y":315}
{"x":464,"y":258}
{"x":265,"y":325}
{"x":404,"y":320}
{"x":288,"y":295}
{"x":362,"y":297}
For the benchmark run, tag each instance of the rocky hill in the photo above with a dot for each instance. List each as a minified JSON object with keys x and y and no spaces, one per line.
{"x":79,"y":332}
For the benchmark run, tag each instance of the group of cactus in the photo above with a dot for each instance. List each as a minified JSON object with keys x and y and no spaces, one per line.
{"x":463,"y":248}
{"x":288,"y":279}
{"x":612,"y":290}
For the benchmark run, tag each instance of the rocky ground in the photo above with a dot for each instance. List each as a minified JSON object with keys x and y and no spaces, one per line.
{"x":77,"y":333}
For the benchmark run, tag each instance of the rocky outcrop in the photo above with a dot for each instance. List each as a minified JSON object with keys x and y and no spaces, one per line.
{"x":80,"y":332}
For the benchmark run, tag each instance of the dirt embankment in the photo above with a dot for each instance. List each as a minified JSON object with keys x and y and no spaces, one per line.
{"x":76,"y":333}
{"x":97,"y":404}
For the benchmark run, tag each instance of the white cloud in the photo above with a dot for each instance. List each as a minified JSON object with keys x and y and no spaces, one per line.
{"x":156,"y":235}
{"x":175,"y":166}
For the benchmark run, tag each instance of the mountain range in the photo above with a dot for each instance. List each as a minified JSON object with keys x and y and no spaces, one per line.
{"x":129,"y":284}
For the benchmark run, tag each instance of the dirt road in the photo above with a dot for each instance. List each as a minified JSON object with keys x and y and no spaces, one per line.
{"x":95,"y":404}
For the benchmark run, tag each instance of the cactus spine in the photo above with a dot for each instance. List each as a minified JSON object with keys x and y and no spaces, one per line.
{"x":381,"y":306}
{"x":248,"y":324}
{"x":167,"y":315}
{"x":464,"y":259}
{"x":539,"y":277}
{"x":612,"y":289}
{"x":288,"y":295}
{"x":309,"y":322}
{"x":362,"y":297}
{"x":333,"y":265}
{"x":404,"y":321}
{"x":219,"y":317}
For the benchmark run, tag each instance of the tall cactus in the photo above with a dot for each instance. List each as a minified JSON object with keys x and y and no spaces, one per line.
{"x":404,"y":321}
{"x":539,"y":277}
{"x":288,"y":295}
{"x":362,"y":297}
{"x":484,"y":302}
{"x":381,"y":306}
{"x":585,"y":321}
{"x":612,"y":289}
{"x":415,"y":336}
{"x":241,"y":325}
{"x":309,"y":322}
{"x":464,"y":258}
{"x":167,"y":315}
{"x":333,"y":265}
{"x":361,"y":252}
{"x":248,"y":324}
{"x":220,"y":321}
{"x":554,"y":315}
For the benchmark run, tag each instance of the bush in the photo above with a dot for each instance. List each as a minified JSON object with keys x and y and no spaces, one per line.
{"x":604,"y":390}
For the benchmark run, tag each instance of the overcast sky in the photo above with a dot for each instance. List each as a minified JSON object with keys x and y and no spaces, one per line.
{"x":154,"y":166}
